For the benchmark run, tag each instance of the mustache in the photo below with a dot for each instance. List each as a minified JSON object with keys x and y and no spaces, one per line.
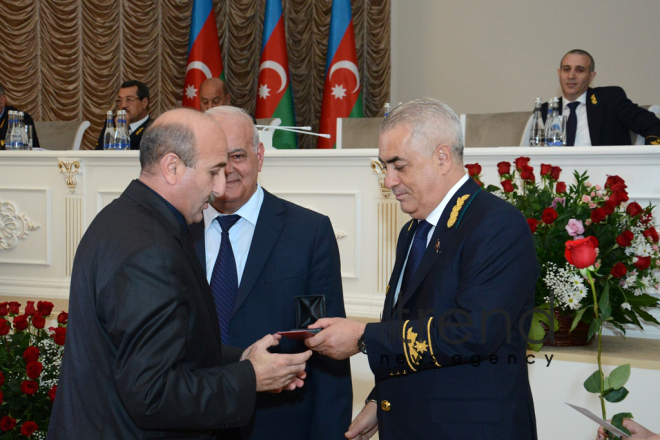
{"x":210,"y":198}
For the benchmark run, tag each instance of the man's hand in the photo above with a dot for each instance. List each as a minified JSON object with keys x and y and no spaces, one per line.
{"x":365,"y":424}
{"x":339,"y":337}
{"x":636,"y":430}
{"x":274,"y":371}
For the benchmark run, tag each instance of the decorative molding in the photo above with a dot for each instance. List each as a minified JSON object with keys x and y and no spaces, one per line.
{"x":73,"y":220}
{"x":70,"y":169}
{"x":379,"y":171}
{"x":13,"y":226}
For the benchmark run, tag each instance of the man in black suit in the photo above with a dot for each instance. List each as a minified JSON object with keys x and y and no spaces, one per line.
{"x":144,"y":357}
{"x":4,"y":121}
{"x":449,"y":354}
{"x":133,"y":97}
{"x":281,"y":251}
{"x":604,"y":115}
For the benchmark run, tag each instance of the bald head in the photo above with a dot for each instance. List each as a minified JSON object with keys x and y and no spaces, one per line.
{"x":213,"y":93}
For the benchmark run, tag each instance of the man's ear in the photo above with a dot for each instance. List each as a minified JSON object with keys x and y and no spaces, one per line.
{"x":260,"y":156}
{"x":443,"y":156}
{"x":592,"y":76}
{"x":171,"y":167}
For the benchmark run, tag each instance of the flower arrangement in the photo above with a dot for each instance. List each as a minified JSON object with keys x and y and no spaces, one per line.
{"x":30,"y":361}
{"x":622,"y":236}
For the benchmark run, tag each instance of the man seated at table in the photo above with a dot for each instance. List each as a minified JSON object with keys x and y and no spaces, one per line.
{"x":133,"y":97}
{"x":4,"y":121}
{"x":213,"y":93}
{"x":600,"y":115}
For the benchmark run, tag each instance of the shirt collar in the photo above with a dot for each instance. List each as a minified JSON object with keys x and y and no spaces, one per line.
{"x":434,"y":217}
{"x":249,"y":211}
{"x":134,"y":125}
{"x":582,"y":100}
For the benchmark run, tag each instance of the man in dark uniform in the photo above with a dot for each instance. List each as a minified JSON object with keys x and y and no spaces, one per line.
{"x":133,"y":97}
{"x":4,"y":121}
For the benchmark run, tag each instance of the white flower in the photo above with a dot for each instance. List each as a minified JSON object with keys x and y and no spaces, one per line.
{"x":625,"y":306}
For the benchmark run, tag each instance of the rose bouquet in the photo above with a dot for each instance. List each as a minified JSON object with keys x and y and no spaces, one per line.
{"x":622,"y":237}
{"x":30,"y":361}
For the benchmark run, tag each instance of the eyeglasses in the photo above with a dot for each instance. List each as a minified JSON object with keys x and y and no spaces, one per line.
{"x":129,"y":100}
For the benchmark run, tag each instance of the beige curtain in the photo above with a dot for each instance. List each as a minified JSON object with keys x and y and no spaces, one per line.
{"x":64,"y":59}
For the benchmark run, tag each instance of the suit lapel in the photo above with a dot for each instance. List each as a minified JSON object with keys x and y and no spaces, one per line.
{"x":197,"y":232}
{"x":402,"y":252}
{"x":594,"y":116}
{"x":443,"y":234}
{"x":269,"y":227}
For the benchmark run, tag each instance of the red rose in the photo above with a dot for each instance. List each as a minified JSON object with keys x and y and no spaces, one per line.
{"x":14,"y":307}
{"x":2,"y":379}
{"x":29,"y":387}
{"x":52,"y":392}
{"x":608,"y":207}
{"x":581,"y":253}
{"x":28,"y":428}
{"x":625,"y":239}
{"x":618,"y":270}
{"x":4,"y":309}
{"x":527,"y":173}
{"x":29,"y":309}
{"x":554,"y":173}
{"x":549,"y":216}
{"x":504,"y":168}
{"x":545,"y":169}
{"x":507,"y":185}
{"x":474,"y":169}
{"x":642,"y":262}
{"x":634,"y":209}
{"x":618,"y":197}
{"x":59,"y":335}
{"x":532,"y":223}
{"x":38,"y":321}
{"x":33,"y":369}
{"x":4,"y":327}
{"x":598,"y":215}
{"x":62,"y":317}
{"x":615,"y":183}
{"x":521,"y":162}
{"x":652,"y":234}
{"x":561,"y":188}
{"x":31,"y":354}
{"x":45,"y":307}
{"x":20,"y":322}
{"x":7,"y":423}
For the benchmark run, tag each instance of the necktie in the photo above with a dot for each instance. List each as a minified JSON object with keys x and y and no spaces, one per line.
{"x":416,"y":253}
{"x":224,"y":279}
{"x":571,"y":124}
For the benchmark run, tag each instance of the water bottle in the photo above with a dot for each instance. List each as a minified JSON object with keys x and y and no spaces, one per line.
{"x":16,"y":139}
{"x":387,"y":109}
{"x":554,"y":134}
{"x":121,"y":135}
{"x":10,"y":125}
{"x":537,"y":132}
{"x":109,"y":136}
{"x":23,"y":130}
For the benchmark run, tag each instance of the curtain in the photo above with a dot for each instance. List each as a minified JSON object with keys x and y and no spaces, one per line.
{"x":65,"y":59}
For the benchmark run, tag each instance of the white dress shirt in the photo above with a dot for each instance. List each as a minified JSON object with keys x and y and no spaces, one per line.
{"x":134,"y":125}
{"x":240,"y":235}
{"x":582,"y":136}
{"x":433,"y":219}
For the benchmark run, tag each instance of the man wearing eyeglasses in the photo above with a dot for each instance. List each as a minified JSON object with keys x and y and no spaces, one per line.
{"x":133,"y":97}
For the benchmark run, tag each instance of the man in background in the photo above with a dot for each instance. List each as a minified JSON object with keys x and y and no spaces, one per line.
{"x":133,"y":97}
{"x":600,"y":115}
{"x":144,"y":356}
{"x":279,"y":255}
{"x":4,"y":121}
{"x":213,"y":93}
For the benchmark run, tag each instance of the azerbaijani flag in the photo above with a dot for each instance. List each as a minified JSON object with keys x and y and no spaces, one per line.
{"x":275,"y":98}
{"x":342,"y":95}
{"x":204,"y":57}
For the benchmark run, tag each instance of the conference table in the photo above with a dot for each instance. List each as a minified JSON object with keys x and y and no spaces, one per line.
{"x":49,"y":198}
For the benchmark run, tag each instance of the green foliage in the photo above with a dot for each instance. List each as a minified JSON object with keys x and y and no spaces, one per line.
{"x":619,"y":376}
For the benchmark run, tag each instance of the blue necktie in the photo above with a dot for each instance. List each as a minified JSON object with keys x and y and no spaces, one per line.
{"x":416,"y":253}
{"x":571,"y":124}
{"x":224,"y":280}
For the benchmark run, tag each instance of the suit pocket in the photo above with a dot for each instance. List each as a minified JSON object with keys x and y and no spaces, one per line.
{"x":466,"y":411}
{"x":283,"y":277}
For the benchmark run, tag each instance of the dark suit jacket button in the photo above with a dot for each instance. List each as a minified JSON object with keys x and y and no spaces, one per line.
{"x":385,"y":405}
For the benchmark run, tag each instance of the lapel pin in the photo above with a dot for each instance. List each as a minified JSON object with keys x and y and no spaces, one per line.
{"x":437,"y":246}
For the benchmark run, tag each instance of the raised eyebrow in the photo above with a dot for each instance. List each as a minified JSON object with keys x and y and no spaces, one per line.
{"x":394,"y":159}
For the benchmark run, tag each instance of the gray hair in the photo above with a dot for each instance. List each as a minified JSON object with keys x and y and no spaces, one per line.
{"x":580,"y":52}
{"x":431,"y":123}
{"x":228,"y":110}
{"x":162,"y":139}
